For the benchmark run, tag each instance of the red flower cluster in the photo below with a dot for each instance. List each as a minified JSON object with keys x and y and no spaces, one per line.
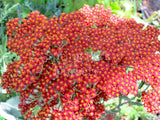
{"x":56,"y":72}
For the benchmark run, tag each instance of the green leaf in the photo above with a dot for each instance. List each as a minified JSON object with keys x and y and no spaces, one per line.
{"x":26,"y":11}
{"x":101,"y":2}
{"x":4,"y":65}
{"x":98,"y":52}
{"x":10,"y":10}
{"x":6,"y":7}
{"x":14,"y":101}
{"x":78,"y":4}
{"x":36,"y":109}
{"x":1,"y":118}
{"x":131,"y":113}
{"x":106,"y":3}
{"x":68,"y":6}
{"x":90,"y":51}
{"x":115,"y":6}
{"x":147,"y":116}
{"x":91,"y":2}
{"x":4,"y":41}
{"x":13,"y":8}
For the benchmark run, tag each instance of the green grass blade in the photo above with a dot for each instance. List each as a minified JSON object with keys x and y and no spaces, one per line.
{"x":152,"y":16}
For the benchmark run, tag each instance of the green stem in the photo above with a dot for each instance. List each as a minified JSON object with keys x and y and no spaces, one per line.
{"x":152,"y":16}
{"x":141,"y":84}
{"x":147,"y":87}
{"x":135,"y":8}
{"x":120,"y":103}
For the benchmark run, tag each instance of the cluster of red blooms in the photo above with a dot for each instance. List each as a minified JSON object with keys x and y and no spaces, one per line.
{"x":56,"y":72}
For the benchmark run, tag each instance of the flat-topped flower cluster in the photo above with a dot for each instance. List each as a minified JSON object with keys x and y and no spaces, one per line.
{"x":56,"y":72}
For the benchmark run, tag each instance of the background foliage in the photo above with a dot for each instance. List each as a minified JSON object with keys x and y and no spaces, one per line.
{"x":21,"y":8}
